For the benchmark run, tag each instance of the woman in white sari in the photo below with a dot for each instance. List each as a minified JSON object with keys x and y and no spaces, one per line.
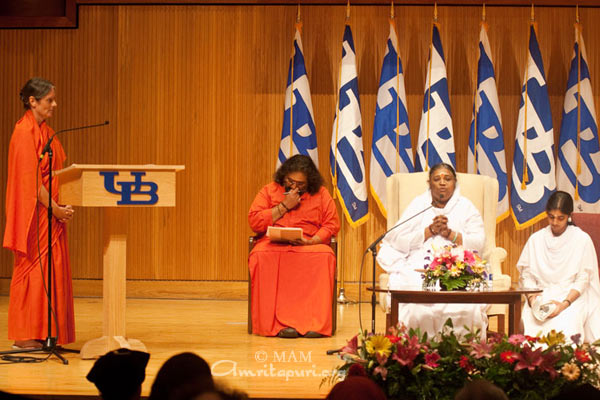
{"x":561,"y":260}
{"x":453,"y":219}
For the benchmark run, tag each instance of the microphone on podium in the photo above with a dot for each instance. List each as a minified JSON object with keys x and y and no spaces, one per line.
{"x":49,"y":142}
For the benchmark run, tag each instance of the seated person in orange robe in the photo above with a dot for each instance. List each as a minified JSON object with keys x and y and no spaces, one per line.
{"x":27,"y":222}
{"x":292,"y":283}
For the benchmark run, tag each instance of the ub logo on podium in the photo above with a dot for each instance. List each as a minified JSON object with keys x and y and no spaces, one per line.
{"x":128,"y":188}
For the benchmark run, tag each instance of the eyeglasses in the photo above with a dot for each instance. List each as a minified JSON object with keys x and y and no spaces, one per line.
{"x":298,"y":184}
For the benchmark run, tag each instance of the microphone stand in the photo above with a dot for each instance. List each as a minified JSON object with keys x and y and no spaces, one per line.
{"x":373,"y":249}
{"x":50,"y":346}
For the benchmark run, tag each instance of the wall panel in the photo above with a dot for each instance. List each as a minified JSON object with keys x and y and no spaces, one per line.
{"x":204,"y":86}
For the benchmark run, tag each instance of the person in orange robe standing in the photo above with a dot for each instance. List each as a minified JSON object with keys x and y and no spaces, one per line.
{"x":292,"y":283}
{"x":27,"y":227}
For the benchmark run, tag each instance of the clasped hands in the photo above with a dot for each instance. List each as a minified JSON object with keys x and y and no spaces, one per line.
{"x":62,"y":213}
{"x":439,"y":226}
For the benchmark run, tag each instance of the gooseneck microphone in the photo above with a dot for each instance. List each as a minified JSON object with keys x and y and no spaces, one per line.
{"x":49,"y":142}
{"x":373,"y":245}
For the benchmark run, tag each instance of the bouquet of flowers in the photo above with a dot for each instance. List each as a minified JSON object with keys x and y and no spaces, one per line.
{"x":456,"y":269}
{"x":408,"y":365}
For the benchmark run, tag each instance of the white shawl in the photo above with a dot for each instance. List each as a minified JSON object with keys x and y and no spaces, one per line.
{"x":404,"y":250}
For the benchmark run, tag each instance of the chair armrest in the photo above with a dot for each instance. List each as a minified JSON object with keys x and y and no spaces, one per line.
{"x":501,"y":281}
{"x":252,"y":242}
{"x":333,"y":243}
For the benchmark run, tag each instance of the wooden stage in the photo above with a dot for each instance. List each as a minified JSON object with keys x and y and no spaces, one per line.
{"x":215,"y":330}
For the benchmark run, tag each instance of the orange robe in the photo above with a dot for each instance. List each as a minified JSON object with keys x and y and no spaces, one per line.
{"x":26,"y":217}
{"x":292,"y":286}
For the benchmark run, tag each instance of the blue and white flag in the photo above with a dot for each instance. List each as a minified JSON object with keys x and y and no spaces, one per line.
{"x":436,"y":138}
{"x":298,"y":135}
{"x":533,"y":173}
{"x":486,"y":140}
{"x":346,"y":155}
{"x":391,"y":150}
{"x":578,"y":169}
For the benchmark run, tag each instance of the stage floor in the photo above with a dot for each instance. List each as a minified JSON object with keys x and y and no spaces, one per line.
{"x":215,"y":330}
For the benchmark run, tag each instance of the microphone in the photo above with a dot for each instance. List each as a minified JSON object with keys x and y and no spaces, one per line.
{"x":373,"y":249}
{"x":373,"y":245}
{"x":49,"y":142}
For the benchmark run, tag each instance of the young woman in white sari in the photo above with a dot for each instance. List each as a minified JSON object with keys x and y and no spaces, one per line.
{"x":453,"y":219}
{"x":561,"y":260}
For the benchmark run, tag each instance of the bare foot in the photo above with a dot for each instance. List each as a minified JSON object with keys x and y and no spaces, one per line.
{"x":28,"y":344}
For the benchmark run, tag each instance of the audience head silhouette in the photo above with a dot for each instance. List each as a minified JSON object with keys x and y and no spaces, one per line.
{"x":119,"y":374}
{"x":356,"y":386}
{"x":181,"y":377}
{"x":480,"y":389}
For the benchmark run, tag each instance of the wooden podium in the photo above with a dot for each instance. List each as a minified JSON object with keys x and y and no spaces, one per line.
{"x":116,"y":187}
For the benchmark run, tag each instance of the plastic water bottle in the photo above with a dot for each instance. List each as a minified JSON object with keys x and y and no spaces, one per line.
{"x":490,"y":279}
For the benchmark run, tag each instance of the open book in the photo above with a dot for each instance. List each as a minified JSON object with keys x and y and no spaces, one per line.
{"x":282,"y":234}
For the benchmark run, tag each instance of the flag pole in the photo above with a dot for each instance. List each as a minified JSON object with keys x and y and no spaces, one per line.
{"x":483,"y":24}
{"x":393,"y":23}
{"x":525,"y":173}
{"x":298,"y":27}
{"x":341,"y":299}
{"x":578,"y":170}
{"x":429,"y":87}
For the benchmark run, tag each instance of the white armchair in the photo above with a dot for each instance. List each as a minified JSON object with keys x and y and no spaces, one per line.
{"x":482,"y":191}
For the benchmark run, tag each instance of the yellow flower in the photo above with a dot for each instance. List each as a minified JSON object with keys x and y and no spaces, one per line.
{"x":553,"y":338}
{"x":454,"y":271}
{"x":460,"y":265}
{"x":379,"y":344}
{"x":478,"y":268}
{"x":570,"y":371}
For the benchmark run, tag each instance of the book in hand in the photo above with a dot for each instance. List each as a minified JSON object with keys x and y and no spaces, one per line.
{"x":283,"y":234}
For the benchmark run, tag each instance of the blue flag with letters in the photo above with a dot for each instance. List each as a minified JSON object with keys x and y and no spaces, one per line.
{"x":579,"y":149}
{"x":486,"y":140}
{"x":391,"y":150}
{"x":533,"y":173}
{"x":346,"y":156}
{"x":298,"y":135}
{"x":436,"y":138}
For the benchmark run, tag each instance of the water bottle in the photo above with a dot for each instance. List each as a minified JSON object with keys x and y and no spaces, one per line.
{"x":490,"y":279}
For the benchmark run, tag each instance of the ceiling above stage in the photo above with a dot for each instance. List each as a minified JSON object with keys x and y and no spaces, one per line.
{"x":63,"y":13}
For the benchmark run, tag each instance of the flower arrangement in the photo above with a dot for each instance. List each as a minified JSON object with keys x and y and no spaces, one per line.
{"x":455,"y":268}
{"x":408,"y":365}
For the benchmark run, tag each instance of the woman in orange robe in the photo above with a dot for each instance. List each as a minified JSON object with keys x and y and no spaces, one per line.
{"x":292,"y":283}
{"x":27,"y":226}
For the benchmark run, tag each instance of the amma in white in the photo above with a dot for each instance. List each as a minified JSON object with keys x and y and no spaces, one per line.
{"x":404,"y":250}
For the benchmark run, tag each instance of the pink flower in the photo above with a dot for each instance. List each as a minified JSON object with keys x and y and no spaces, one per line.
{"x":351,"y":347}
{"x":407,"y":352}
{"x":528,"y":359}
{"x":582,"y":355}
{"x":431,"y":359}
{"x":508,"y":357}
{"x":495,"y":337}
{"x":481,"y":350}
{"x":516,"y":339}
{"x":548,"y":362}
{"x":381,"y":369}
{"x":469,"y":257}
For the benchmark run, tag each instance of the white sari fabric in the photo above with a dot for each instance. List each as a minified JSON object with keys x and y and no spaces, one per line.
{"x":404,"y":250}
{"x":558,"y":264}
